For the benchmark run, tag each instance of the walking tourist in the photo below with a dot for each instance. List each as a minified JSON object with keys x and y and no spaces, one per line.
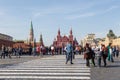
{"x":89,"y":54}
{"x":69,"y":51}
{"x":9,"y":52}
{"x":99,"y":55}
{"x":3,"y":52}
{"x":52,"y":50}
{"x":117,"y":51}
{"x":110,"y":52}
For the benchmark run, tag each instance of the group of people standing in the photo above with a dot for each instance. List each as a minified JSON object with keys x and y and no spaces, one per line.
{"x":7,"y":51}
{"x":101,"y":53}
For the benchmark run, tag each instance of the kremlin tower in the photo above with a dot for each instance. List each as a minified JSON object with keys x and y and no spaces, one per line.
{"x":31,"y":36}
{"x":32,"y":40}
{"x":41,"y":40}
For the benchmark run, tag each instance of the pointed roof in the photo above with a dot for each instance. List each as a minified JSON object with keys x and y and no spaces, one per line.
{"x":31,"y":26}
{"x":41,"y":40}
{"x":31,"y":33}
{"x":71,"y":31}
{"x":59,"y":31}
{"x":75,"y":40}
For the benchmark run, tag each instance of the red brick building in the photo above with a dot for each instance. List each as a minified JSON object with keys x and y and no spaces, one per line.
{"x":5,"y":40}
{"x":61,"y":41}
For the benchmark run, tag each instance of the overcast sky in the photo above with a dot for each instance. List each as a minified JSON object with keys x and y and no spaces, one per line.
{"x":83,"y":16}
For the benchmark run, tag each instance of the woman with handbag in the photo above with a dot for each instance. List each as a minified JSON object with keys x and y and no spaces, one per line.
{"x":87,"y":54}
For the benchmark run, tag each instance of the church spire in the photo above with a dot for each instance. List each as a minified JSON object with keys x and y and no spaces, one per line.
{"x":71,"y":35}
{"x":41,"y":40}
{"x":58,"y":31}
{"x":31,"y":26}
{"x":31,"y":39}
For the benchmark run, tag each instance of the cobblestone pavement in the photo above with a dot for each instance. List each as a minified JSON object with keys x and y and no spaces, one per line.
{"x":111,"y":72}
{"x":47,"y":68}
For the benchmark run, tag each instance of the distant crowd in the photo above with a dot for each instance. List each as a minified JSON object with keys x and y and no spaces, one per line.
{"x":101,"y":52}
{"x":9,"y":52}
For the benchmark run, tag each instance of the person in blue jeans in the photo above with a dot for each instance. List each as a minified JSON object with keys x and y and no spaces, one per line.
{"x":69,"y":51}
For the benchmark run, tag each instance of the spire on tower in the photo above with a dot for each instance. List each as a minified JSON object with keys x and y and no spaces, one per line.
{"x":31,"y":33}
{"x":41,"y":40}
{"x":31,"y":25}
{"x":58,"y":31}
{"x":71,"y":35}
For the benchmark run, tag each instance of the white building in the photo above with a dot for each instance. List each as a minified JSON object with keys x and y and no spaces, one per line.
{"x":90,"y":39}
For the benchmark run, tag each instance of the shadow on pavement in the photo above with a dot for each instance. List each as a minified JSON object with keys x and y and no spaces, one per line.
{"x":113,"y":66}
{"x":5,"y":65}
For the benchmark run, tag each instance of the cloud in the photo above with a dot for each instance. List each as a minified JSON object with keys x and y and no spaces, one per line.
{"x":38,"y":14}
{"x":60,"y":10}
{"x":90,"y":14}
{"x":85,"y":15}
{"x":110,"y":9}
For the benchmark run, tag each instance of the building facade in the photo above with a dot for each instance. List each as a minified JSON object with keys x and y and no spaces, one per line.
{"x":6,"y":40}
{"x":90,"y":39}
{"x":61,"y":41}
{"x":110,"y":38}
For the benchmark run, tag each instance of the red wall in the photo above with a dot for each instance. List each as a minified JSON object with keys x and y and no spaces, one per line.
{"x":6,"y":43}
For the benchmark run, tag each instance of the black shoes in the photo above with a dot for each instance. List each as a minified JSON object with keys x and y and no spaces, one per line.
{"x":71,"y":63}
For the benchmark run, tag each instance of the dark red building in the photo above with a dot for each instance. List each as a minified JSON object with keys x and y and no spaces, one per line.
{"x":6,"y":40}
{"x":61,"y":41}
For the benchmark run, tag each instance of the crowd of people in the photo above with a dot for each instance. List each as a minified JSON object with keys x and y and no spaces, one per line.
{"x":7,"y":51}
{"x":101,"y":53}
